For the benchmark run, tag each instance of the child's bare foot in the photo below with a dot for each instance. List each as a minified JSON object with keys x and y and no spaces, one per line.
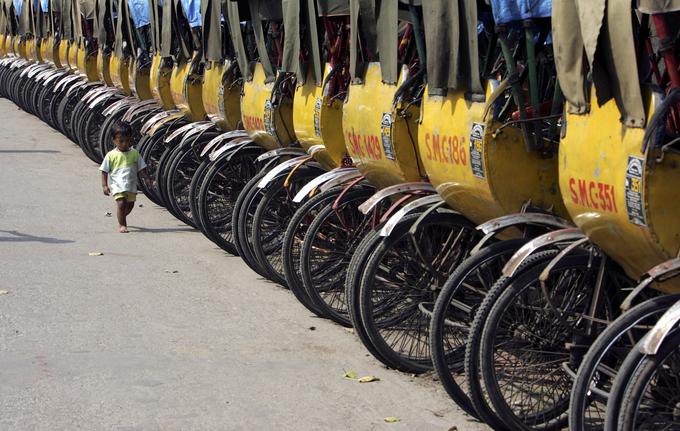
{"x":123,"y":229}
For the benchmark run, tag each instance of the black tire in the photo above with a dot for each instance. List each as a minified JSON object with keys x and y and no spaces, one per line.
{"x":271,"y":219}
{"x":587,"y":406}
{"x":455,"y":309}
{"x":355,"y":270}
{"x":219,"y":189}
{"x":180,"y":172}
{"x":241,"y":222}
{"x":293,"y":239}
{"x":327,"y":249}
{"x":651,"y":400}
{"x":541,"y":335}
{"x":402,"y":280}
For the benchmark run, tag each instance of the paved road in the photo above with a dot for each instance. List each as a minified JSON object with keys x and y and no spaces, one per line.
{"x":123,"y":342}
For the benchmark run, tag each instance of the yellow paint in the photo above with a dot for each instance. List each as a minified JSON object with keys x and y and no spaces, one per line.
{"x":142,"y":83}
{"x":62,"y":57}
{"x":270,"y":128}
{"x":366,"y":105}
{"x":159,"y":81}
{"x":595,"y":150}
{"x":104,"y":67}
{"x":87,"y":64}
{"x":45,"y":50}
{"x":222,"y":95}
{"x":318,"y":121}
{"x":510,"y":176}
{"x":186,"y":91}
{"x":120,"y":75}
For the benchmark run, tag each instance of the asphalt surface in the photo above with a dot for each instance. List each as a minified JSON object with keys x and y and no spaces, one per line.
{"x":164,"y":331}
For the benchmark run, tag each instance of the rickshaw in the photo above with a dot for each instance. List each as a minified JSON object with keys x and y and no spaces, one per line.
{"x":613,"y":177}
{"x":221,"y":100}
{"x":315,"y":37}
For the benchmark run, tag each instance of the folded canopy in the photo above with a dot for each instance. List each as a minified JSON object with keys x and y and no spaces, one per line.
{"x":597,"y":36}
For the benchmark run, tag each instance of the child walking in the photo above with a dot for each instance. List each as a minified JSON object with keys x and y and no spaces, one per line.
{"x":120,"y":169}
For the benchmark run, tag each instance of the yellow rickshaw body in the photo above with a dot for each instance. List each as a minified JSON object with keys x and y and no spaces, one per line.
{"x":46,"y":50}
{"x":159,"y":81}
{"x":271,"y":127}
{"x":87,"y":64}
{"x":624,"y":200}
{"x":222,"y":96}
{"x":380,"y":138}
{"x":142,"y":82}
{"x":21,"y":49}
{"x":104,"y":67}
{"x":318,"y":121}
{"x":481,"y":175}
{"x":120,"y":75}
{"x":3,"y":47}
{"x":186,"y":92}
{"x":62,"y":54}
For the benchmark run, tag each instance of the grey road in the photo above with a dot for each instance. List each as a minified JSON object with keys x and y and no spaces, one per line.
{"x":163,"y":331}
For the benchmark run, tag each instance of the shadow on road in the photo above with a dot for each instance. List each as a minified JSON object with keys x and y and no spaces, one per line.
{"x":24,"y":237}
{"x":28,"y":151}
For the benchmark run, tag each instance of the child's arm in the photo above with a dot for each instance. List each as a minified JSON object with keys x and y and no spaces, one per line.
{"x":105,"y":183}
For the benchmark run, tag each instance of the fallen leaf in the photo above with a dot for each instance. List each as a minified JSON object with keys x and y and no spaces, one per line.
{"x":391,"y":420}
{"x":4,"y":292}
{"x":108,"y":214}
{"x":350,"y":330}
{"x":95,"y":253}
{"x":351,"y":375}
{"x":453,"y":428}
{"x":312,"y":328}
{"x":368,"y":379}
{"x":174,"y":271}
{"x":140,"y":206}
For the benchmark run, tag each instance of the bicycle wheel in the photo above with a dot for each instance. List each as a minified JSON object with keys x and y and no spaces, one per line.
{"x":455,"y":309}
{"x":590,"y":392}
{"x":327,"y":249}
{"x":401,"y":282}
{"x":293,"y":239}
{"x":180,"y":171}
{"x":271,"y":219}
{"x":651,"y":401}
{"x":218,"y":194}
{"x":524,"y":347}
{"x":242,"y":222}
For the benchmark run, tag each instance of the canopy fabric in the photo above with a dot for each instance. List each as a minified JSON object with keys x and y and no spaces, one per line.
{"x":192,"y":10}
{"x":237,"y":39}
{"x":362,"y":22}
{"x":332,"y":7}
{"x":606,"y":39}
{"x":658,"y":6}
{"x":259,"y":10}
{"x":568,"y":49}
{"x":292,"y":10}
{"x":87,"y":8}
{"x":155,"y":25}
{"x":452,"y":46}
{"x":211,"y":11}
{"x":66,"y":21}
{"x":139,"y":12}
{"x":505,"y":11}
{"x":45,"y":5}
{"x":166,"y":29}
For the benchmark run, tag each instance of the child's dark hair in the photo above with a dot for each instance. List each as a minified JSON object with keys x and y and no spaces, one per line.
{"x":121,"y":128}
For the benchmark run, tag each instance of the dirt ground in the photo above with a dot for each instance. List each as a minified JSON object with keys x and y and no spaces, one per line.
{"x":164,"y":330}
